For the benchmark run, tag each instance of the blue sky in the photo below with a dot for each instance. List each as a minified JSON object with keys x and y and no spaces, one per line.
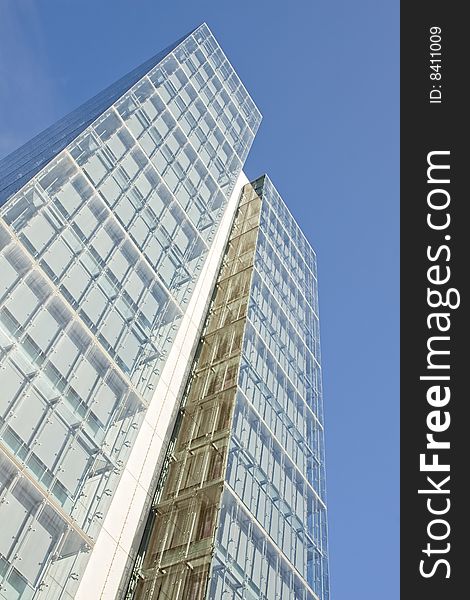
{"x":325,"y":76}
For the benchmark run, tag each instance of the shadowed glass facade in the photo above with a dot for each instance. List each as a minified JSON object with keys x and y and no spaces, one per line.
{"x":272,"y":536}
{"x":106,"y":222}
{"x":240,"y":512}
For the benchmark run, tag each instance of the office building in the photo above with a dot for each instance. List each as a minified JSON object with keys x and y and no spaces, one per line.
{"x":157,"y":351}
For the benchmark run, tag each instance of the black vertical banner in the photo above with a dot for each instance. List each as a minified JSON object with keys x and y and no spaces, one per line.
{"x":435,"y":259}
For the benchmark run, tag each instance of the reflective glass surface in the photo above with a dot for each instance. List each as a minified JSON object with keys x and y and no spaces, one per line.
{"x":99,"y":254}
{"x":272,"y":534}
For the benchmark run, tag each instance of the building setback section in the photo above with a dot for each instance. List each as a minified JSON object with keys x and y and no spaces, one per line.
{"x":271,"y":537}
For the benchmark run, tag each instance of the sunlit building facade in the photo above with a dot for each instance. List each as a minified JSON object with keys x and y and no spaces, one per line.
{"x":161,"y":428}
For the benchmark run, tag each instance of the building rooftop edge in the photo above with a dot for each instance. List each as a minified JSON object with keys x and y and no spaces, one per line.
{"x":265,"y":177}
{"x":70,"y":126}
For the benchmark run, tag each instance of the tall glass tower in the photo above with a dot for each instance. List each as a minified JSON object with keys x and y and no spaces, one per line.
{"x":161,"y":430}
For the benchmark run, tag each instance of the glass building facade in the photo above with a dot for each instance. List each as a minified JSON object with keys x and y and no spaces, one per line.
{"x":240,"y":510}
{"x":101,"y":246}
{"x":153,"y":337}
{"x":271,"y":539}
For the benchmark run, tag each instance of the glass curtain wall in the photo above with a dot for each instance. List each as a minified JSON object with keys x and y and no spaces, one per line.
{"x":272,"y":534}
{"x":99,"y":254}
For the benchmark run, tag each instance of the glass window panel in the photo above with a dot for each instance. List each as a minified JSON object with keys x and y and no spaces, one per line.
{"x":97,"y":167}
{"x":74,"y":466}
{"x":12,"y":381}
{"x":44,"y":330}
{"x":33,"y":555}
{"x":76,"y":281}
{"x":69,"y":199}
{"x":51,"y":440}
{"x":94,"y":305}
{"x":112,"y":328}
{"x":107,"y":125}
{"x":27,"y":415}
{"x":13,"y":515}
{"x":129,"y":350}
{"x":23,"y":303}
{"x":104,"y":403}
{"x":84,"y":379}
{"x":57,"y":258}
{"x":39,"y":233}
{"x":65,"y":355}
